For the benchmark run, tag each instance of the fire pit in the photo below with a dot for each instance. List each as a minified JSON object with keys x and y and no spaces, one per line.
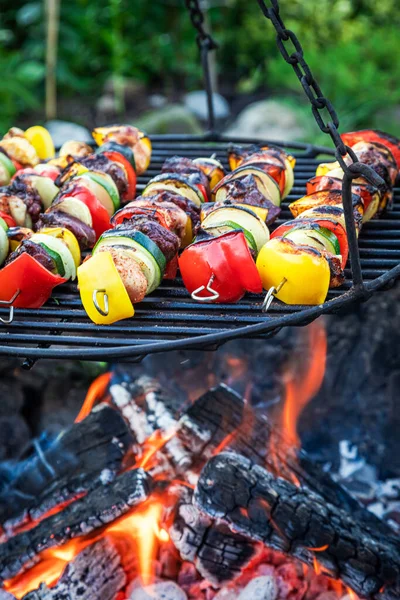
{"x":179,"y":490}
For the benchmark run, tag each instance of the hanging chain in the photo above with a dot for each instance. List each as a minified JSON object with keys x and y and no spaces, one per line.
{"x":205,"y":43}
{"x":203,"y":38}
{"x":295,"y":57}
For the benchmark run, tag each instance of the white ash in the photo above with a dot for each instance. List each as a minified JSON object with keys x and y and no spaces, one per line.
{"x":164,"y":590}
{"x":361,"y":479}
{"x":260,"y":588}
{"x":133,"y":414}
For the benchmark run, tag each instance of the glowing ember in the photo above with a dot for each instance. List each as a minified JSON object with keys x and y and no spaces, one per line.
{"x":95,"y":393}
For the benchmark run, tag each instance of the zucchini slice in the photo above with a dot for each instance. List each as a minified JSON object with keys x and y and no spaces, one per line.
{"x":141,"y":251}
{"x":245,"y":218}
{"x":55,"y":246}
{"x":169,"y":182}
{"x":226,"y":226}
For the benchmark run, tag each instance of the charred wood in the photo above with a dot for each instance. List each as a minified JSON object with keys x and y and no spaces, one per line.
{"x":96,"y":572}
{"x":101,"y":506}
{"x":74,"y":463}
{"x":217,"y":553}
{"x":301,"y":523}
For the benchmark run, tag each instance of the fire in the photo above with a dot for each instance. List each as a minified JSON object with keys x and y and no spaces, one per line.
{"x":138,"y":534}
{"x":317,"y":566}
{"x":352,"y":594}
{"x":152,"y":445}
{"x":48,"y":570}
{"x":95,"y":393}
{"x":302,"y":386}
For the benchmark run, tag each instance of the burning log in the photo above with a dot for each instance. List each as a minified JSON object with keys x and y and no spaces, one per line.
{"x":96,"y":572}
{"x":299,"y":522}
{"x":101,"y":506}
{"x":71,"y":465}
{"x":217,"y":553}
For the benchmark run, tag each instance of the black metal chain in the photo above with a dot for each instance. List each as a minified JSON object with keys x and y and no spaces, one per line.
{"x":206,"y":43}
{"x":203,"y":38}
{"x":355,"y":169}
{"x":295,"y":57}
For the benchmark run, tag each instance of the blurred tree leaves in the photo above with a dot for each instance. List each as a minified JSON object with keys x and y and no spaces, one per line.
{"x":351,"y":45}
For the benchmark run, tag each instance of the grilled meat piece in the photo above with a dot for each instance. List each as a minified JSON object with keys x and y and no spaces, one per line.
{"x":129,"y":270}
{"x":36,"y":251}
{"x":84,"y":234}
{"x":23,"y":188}
{"x":100,"y":162}
{"x":185,"y":166}
{"x":245,"y":191}
{"x":185,"y":204}
{"x":174,"y":216}
{"x":167,"y":241}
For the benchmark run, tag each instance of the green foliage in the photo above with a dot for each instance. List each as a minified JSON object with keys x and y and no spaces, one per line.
{"x":351,"y":45}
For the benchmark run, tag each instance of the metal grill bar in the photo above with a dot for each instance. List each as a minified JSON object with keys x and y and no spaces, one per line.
{"x":169,"y":319}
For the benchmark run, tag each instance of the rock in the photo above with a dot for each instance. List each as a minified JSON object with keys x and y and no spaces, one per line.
{"x":196,"y":102}
{"x":157,"y":100}
{"x":267,"y":119}
{"x":174,"y":118}
{"x":260,"y":588}
{"x":62,"y":131}
{"x":165,"y":590}
{"x":105,"y":105}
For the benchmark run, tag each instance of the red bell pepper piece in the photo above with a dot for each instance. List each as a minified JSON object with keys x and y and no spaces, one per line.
{"x":323,"y":183}
{"x":379,"y":137}
{"x":100,"y":216}
{"x":330,"y":224}
{"x":33,"y":280}
{"x":130,"y":172}
{"x":223,"y":264}
{"x":129,"y":211}
{"x":8,"y":219}
{"x":171,"y":269}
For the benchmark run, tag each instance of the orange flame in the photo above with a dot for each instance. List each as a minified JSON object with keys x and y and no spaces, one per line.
{"x":152,"y":445}
{"x":48,"y":570}
{"x":135,"y":534}
{"x":302,"y":387}
{"x":317,"y":566}
{"x":95,"y":393}
{"x":352,"y":594}
{"x":139,"y":533}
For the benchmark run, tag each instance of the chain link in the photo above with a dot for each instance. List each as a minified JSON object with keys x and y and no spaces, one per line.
{"x":295,"y":57}
{"x":204,"y":39}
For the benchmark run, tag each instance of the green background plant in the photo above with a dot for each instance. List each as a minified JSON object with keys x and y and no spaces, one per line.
{"x":351,"y":45}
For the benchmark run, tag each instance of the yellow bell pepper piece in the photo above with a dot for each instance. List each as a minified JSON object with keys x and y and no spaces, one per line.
{"x":188,"y":237}
{"x":258,"y":210}
{"x":95,"y":275}
{"x":41,"y":140}
{"x":69,"y":240}
{"x":304,"y":271}
{"x":324,"y":168}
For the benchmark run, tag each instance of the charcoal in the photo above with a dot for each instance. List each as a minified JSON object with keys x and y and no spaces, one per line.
{"x":6,"y":596}
{"x":260,"y":588}
{"x":299,"y":522}
{"x":217,"y":553}
{"x":71,"y":465}
{"x":96,"y":572}
{"x":99,"y":507}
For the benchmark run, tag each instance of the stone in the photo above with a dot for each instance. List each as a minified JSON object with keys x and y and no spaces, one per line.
{"x":62,"y":131}
{"x":164,"y":590}
{"x":260,"y":588}
{"x":157,"y":100}
{"x":267,"y":119}
{"x":196,"y":102}
{"x":173,"y":118}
